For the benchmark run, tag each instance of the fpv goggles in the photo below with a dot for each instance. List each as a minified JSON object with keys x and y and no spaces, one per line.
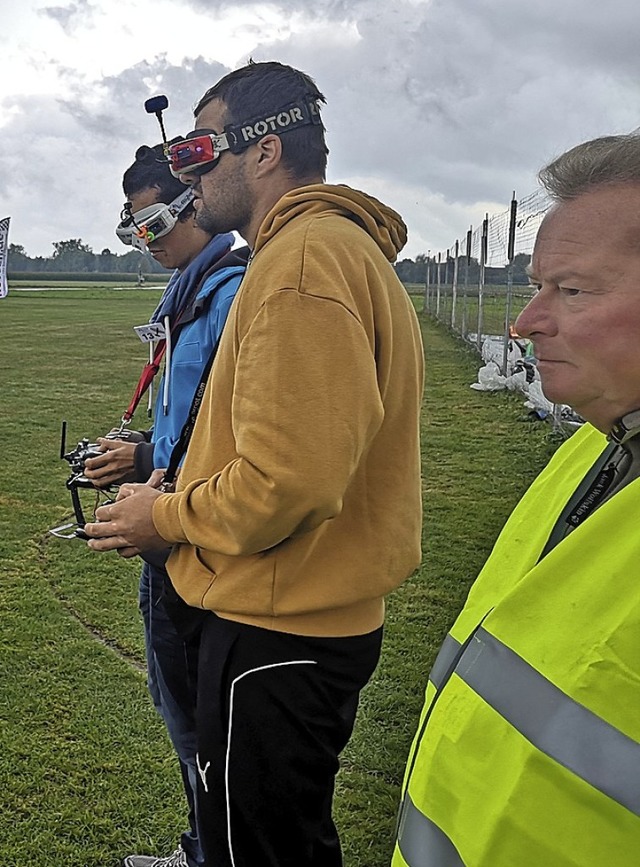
{"x":140,"y":229}
{"x":197,"y":154}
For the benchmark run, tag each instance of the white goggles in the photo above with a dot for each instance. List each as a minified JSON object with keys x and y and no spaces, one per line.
{"x":140,"y":229}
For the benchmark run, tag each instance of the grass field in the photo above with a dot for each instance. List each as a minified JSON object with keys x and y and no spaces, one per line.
{"x":86,"y":771}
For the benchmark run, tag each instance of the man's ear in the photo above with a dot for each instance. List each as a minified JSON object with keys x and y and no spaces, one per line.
{"x":268,"y":152}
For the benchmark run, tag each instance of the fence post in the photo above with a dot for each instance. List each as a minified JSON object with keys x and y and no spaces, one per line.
{"x":483,"y":261}
{"x":438,"y":288}
{"x":466,"y":282}
{"x":445,"y":284}
{"x":510,"y":251}
{"x":454,"y":285}
{"x":425,"y":305}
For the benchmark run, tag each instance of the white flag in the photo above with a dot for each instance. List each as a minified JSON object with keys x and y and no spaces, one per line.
{"x":4,"y":255}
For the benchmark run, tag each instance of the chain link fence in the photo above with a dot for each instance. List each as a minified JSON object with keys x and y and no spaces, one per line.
{"x":479,"y":285}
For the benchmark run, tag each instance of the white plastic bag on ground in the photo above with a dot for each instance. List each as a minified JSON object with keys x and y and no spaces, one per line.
{"x":493,"y":350}
{"x":535,"y":397}
{"x":489,"y":378}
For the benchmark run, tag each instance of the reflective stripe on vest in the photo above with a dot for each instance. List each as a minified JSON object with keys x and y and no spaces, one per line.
{"x":554,"y":723}
{"x":421,"y":842}
{"x":444,"y":660}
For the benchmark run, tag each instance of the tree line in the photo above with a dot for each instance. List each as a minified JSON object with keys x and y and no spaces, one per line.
{"x":77,"y":257}
{"x":410,"y":271}
{"x":74,"y":256}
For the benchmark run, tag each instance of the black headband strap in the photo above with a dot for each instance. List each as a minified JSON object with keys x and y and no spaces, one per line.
{"x":242,"y":135}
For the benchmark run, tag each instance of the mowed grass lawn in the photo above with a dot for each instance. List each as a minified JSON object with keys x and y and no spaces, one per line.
{"x":86,"y":772}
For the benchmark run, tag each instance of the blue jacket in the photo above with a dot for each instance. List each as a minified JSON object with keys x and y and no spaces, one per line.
{"x":197,"y":336}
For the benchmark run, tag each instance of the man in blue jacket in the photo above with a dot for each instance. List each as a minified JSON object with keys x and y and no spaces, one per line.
{"x":159,"y":216}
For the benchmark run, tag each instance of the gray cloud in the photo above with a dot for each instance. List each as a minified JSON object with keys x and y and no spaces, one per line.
{"x":70,"y":184}
{"x":333,"y":10}
{"x":466,"y":100}
{"x":71,"y":17}
{"x":444,"y":107}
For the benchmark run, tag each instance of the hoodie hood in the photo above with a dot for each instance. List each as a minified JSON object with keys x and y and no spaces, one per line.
{"x":378,"y":220}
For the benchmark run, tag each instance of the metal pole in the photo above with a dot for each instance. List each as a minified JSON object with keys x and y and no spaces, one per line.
{"x":425,"y":305}
{"x":510,"y":251}
{"x":483,"y":261}
{"x":454,"y":285}
{"x":466,"y":282}
{"x":438,"y":285}
{"x":445,"y":283}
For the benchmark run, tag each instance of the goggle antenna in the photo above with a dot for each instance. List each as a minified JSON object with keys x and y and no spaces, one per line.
{"x":156,"y":105}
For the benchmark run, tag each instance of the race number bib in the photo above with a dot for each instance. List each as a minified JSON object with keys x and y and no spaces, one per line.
{"x":150,"y":332}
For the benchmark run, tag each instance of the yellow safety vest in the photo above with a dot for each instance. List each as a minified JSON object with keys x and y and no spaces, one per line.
{"x":528,"y":749}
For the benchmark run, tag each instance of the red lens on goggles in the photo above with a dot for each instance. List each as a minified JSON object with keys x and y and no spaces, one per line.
{"x":188,"y":155}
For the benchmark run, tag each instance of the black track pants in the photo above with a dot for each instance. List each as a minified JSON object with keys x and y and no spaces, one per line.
{"x":274,"y":712}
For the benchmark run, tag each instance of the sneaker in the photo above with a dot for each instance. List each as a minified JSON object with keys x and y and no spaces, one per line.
{"x":176,"y":859}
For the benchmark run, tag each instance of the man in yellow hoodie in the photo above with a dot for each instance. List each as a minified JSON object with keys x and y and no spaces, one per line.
{"x":298,"y":506}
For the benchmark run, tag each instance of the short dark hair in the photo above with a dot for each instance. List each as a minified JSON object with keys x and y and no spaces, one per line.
{"x":612,"y":159}
{"x":151,"y":169}
{"x":260,"y":89}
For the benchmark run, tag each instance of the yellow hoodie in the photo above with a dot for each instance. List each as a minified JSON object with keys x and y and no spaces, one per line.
{"x":298,"y":507}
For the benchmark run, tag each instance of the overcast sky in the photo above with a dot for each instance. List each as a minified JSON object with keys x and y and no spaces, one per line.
{"x":439,"y":107}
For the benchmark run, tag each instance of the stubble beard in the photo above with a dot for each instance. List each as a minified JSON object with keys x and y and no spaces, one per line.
{"x":230,"y":207}
{"x":208,"y":220}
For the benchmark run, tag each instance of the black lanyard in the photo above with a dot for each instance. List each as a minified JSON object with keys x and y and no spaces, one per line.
{"x":180,"y":448}
{"x":587,"y":496}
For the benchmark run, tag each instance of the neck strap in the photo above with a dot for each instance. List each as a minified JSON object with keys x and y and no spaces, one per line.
{"x":180,"y":448}
{"x":626,"y":427}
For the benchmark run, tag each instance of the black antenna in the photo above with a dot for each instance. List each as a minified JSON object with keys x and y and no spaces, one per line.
{"x":156,"y":105}
{"x":63,"y":440}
